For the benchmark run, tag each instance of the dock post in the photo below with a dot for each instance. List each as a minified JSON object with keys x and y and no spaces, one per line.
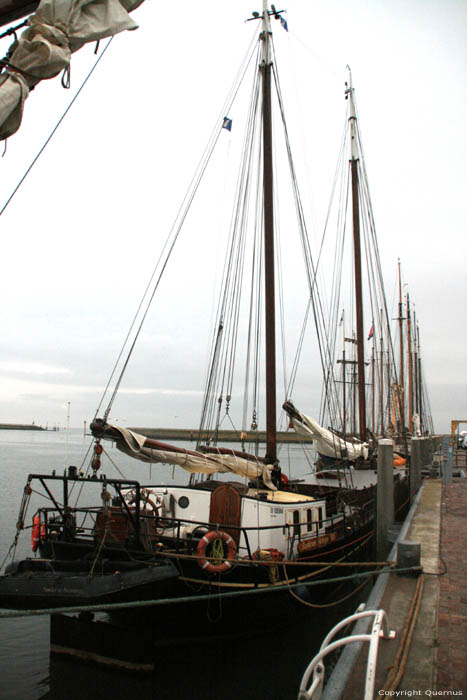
{"x":427,"y":453}
{"x":446,"y":469}
{"x":416,"y":465}
{"x":384,"y":497}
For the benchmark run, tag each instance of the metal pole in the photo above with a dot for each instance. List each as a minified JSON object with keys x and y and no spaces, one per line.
{"x":416,"y":464}
{"x":384,"y":496}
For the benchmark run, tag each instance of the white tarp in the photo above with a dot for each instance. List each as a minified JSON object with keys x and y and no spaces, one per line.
{"x":135,"y":445}
{"x":326,"y":442}
{"x":55,"y":31}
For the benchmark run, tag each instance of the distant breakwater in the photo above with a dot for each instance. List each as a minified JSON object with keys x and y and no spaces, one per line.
{"x":19,"y":426}
{"x":221,"y":435}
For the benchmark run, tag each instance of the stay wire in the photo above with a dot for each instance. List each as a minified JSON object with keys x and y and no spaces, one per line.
{"x":309,"y":262}
{"x":221,"y":333}
{"x":52,"y":133}
{"x":173,"y":236}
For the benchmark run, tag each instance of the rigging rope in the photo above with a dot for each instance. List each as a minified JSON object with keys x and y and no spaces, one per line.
{"x":311,"y":267}
{"x":52,"y":133}
{"x":171,"y":240}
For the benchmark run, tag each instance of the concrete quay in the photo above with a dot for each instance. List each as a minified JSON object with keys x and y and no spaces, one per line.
{"x":434,"y":662}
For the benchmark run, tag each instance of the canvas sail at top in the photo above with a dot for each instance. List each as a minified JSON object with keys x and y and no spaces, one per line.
{"x":57,"y":29}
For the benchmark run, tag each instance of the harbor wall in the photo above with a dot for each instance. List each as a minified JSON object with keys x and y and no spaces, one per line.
{"x":221,"y":435}
{"x":19,"y":426}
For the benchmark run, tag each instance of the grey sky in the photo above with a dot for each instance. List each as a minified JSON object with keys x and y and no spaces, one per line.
{"x":80,"y":238}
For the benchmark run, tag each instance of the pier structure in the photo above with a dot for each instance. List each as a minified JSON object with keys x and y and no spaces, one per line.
{"x":427,"y":609}
{"x":20,"y":426}
{"x":183,"y":434}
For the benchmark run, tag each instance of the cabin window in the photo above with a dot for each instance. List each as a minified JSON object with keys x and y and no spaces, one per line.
{"x":320,"y":517}
{"x":296,"y":523}
{"x":309,"y":520}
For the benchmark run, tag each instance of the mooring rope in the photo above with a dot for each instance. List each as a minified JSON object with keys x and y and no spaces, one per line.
{"x":396,"y":670}
{"x":193,"y":598}
{"x":325,"y":605}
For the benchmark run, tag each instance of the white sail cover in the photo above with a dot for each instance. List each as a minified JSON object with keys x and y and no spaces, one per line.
{"x":55,"y":31}
{"x":135,"y":445}
{"x":326,"y":442}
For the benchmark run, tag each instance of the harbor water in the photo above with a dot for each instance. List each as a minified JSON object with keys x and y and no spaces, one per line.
{"x":254,"y":665}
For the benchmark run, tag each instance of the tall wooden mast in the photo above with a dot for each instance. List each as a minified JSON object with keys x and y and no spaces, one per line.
{"x":420,"y":394}
{"x":401,"y":359}
{"x":410,"y":368}
{"x":269,"y":273}
{"x":373,"y":388}
{"x":354,"y":159}
{"x":415,"y":366}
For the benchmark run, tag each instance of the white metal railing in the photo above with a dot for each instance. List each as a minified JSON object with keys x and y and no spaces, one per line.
{"x":316,"y":667}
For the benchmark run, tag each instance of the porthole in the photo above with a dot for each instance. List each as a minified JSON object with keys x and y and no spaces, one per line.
{"x":183,"y":501}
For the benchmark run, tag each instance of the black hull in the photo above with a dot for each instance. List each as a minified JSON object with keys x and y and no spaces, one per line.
{"x":245,"y":603}
{"x":37,"y":584}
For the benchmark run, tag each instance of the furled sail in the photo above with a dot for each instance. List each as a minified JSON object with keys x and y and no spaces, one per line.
{"x":326,"y":442}
{"x":55,"y":31}
{"x":152,"y":451}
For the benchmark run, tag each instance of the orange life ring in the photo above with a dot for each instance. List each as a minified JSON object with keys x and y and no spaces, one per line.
{"x":38,"y":532}
{"x":203,"y":560}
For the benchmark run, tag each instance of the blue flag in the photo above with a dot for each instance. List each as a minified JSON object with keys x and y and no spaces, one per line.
{"x":284,"y":23}
{"x":227,"y":124}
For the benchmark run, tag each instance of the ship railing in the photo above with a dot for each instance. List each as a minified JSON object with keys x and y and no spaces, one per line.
{"x":312,"y":683}
{"x":294,"y":532}
{"x":175,"y":529}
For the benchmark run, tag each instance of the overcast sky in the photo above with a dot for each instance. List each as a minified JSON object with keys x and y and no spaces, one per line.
{"x":80,"y":238}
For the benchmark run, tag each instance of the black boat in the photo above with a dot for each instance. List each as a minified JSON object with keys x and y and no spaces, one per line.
{"x":88,"y":556}
{"x":44,"y":583}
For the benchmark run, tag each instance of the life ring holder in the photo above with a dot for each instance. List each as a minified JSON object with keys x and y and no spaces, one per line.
{"x":37,"y":533}
{"x":203,"y":559}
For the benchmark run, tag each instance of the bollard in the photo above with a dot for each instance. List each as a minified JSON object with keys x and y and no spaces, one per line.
{"x":384,"y":496}
{"x":408,"y":554}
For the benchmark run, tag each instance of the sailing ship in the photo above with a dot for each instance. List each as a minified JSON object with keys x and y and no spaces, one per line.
{"x":411,"y":412}
{"x":240,"y":525}
{"x":357,"y":403}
